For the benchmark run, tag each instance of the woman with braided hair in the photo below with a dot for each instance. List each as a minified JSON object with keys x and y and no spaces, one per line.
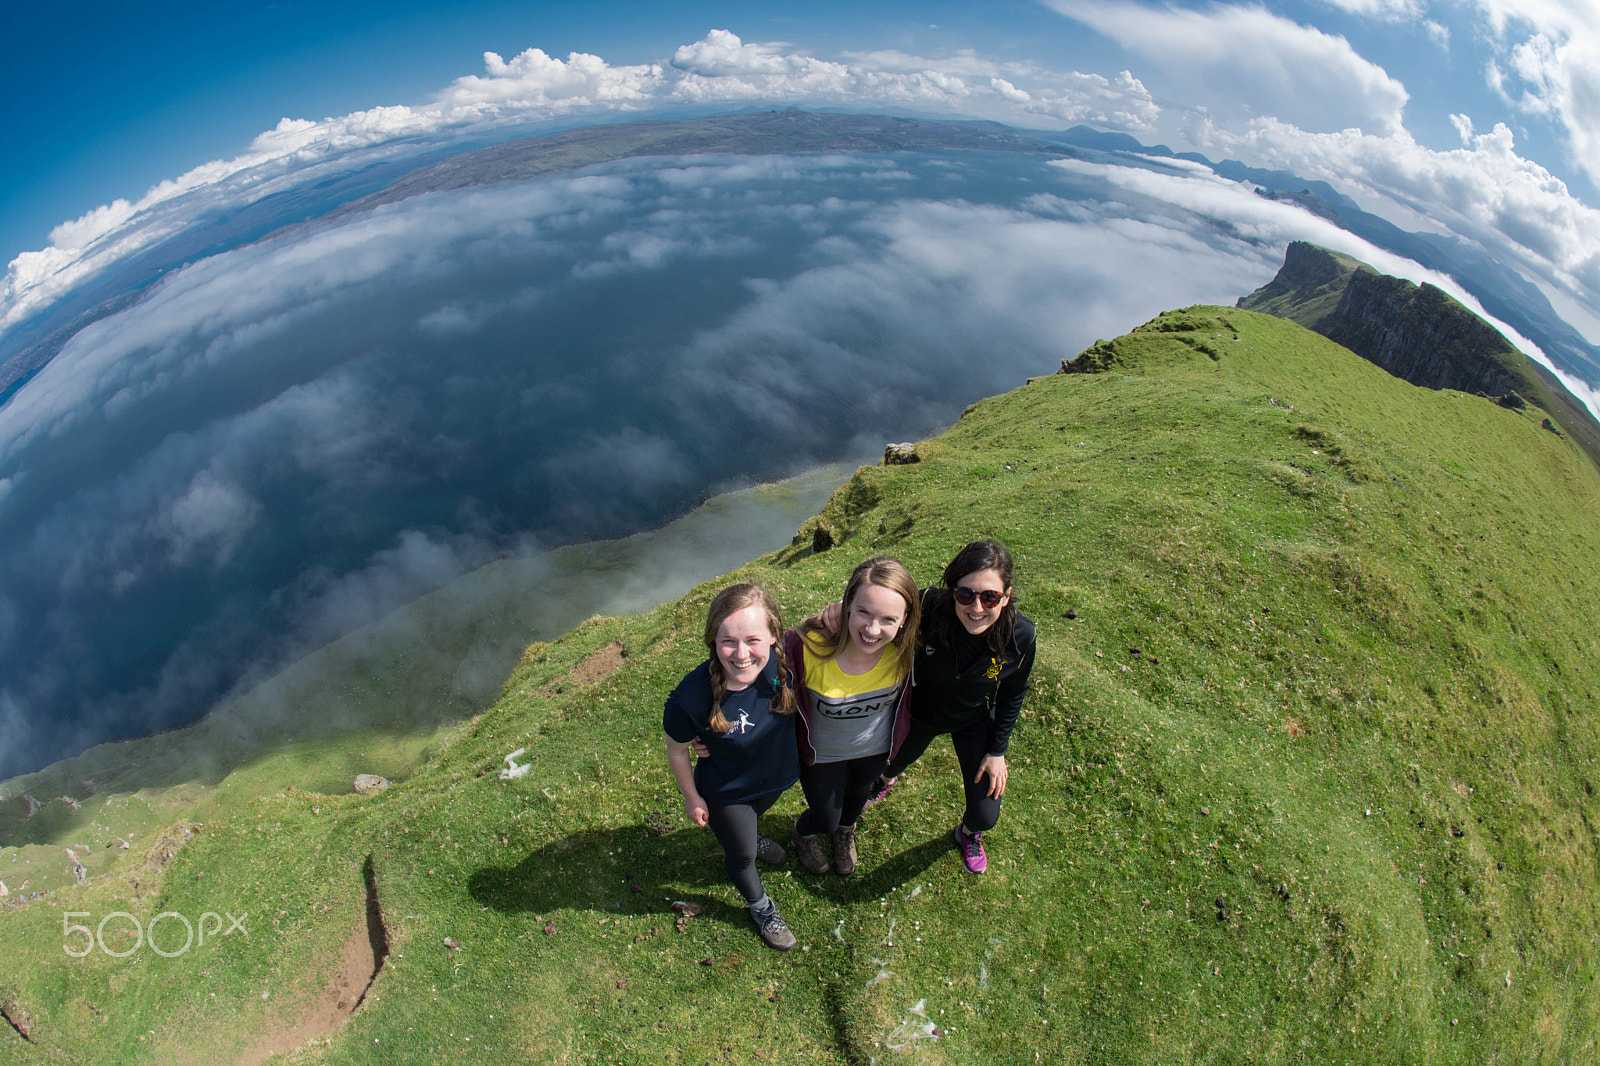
{"x":739,"y":706}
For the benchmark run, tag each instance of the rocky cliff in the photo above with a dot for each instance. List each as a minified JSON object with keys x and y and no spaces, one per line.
{"x":1416,"y":332}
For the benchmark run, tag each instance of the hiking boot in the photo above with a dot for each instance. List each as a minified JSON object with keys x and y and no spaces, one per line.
{"x":971,"y":847}
{"x":881,"y":788}
{"x":844,"y":849}
{"x":770,"y":851}
{"x":808,"y":851}
{"x":773,"y":929}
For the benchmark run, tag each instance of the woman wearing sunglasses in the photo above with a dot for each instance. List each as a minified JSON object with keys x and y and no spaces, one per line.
{"x":969,"y":680}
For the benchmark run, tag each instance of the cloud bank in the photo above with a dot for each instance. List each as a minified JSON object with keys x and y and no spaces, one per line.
{"x":284,"y":442}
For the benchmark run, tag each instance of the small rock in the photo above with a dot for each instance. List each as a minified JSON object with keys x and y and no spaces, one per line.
{"x":903,"y":454}
{"x":452,"y":943}
{"x":685,"y":908}
{"x":367,"y":784}
{"x":1072,"y":612}
{"x":1205,"y":812}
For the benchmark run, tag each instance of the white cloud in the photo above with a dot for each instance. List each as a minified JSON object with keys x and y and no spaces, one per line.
{"x":533,"y":87}
{"x":1382,"y":10}
{"x":212,"y":515}
{"x":1238,"y":62}
{"x":1484,"y":191}
{"x":1549,"y":66}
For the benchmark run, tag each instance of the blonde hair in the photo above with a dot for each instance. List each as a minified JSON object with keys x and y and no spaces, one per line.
{"x":887,"y":573}
{"x":730,"y":601}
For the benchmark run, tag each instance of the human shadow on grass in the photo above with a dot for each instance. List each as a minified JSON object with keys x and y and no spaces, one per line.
{"x":628,"y":870}
{"x":873,"y":882}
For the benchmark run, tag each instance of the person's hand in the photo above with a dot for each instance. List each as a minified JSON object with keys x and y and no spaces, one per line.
{"x":995,"y":767}
{"x":700,"y":749}
{"x":695,"y":808}
{"x":829,"y":617}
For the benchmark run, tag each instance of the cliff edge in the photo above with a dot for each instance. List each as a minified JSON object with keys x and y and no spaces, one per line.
{"x":1418,"y":333}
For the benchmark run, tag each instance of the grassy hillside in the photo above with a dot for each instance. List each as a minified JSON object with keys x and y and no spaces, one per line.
{"x":1360,"y":716}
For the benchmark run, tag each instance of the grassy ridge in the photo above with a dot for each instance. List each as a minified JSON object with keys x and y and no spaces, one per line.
{"x":1365,"y":681}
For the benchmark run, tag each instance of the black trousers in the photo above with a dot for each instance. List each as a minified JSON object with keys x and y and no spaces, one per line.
{"x":971,"y":742}
{"x":836,"y":792}
{"x":735,"y":828}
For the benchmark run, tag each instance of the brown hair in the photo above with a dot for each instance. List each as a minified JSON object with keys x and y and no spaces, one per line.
{"x":887,"y":573}
{"x":729,"y":601}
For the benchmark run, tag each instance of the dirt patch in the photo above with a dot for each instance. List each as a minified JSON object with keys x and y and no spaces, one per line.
{"x":1294,"y":727}
{"x":598,"y":665}
{"x":360,"y":959}
{"x":18,"y":1019}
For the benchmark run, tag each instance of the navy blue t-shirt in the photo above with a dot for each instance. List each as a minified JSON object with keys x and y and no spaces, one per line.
{"x":756,"y":756}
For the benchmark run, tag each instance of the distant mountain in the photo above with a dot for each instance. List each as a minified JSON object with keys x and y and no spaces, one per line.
{"x":1416,"y":332}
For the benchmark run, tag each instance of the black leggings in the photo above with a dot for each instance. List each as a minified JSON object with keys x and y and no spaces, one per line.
{"x":971,"y":742}
{"x":836,"y":792}
{"x":735,"y":827}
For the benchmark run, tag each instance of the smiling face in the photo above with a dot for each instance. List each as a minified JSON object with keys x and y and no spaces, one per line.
{"x":975,"y":618}
{"x":876,"y":614}
{"x":743,"y":645}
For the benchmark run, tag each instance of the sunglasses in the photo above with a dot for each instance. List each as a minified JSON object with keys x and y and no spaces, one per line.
{"x":964,"y":596}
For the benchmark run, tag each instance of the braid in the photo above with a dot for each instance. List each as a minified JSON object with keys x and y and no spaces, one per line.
{"x":783,"y":701}
{"x":719,"y":688}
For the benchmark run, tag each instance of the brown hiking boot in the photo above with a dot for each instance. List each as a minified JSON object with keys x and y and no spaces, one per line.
{"x":773,"y":929}
{"x":809,"y":852}
{"x":844,"y":849}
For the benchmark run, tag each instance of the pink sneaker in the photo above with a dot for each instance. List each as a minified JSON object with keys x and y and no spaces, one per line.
{"x":881,"y":788}
{"x":971,"y":847}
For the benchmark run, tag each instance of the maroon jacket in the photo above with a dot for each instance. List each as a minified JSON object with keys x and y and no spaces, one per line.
{"x":794,"y":653}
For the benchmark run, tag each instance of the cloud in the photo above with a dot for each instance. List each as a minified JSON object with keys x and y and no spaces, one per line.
{"x":1237,"y":62}
{"x":1484,"y":191}
{"x":211,"y":516}
{"x":533,"y":87}
{"x":1549,"y":66}
{"x":1382,"y":10}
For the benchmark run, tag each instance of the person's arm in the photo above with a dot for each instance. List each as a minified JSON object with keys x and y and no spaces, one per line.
{"x":1008,"y":703}
{"x":683,"y":773}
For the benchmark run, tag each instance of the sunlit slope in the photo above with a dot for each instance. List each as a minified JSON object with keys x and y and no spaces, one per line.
{"x":1360,"y":716}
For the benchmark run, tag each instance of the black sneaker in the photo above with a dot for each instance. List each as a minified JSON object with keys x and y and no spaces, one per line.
{"x":770,"y":851}
{"x":773,"y":929}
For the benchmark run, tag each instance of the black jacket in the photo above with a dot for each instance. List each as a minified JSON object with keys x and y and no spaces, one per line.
{"x":991,"y":685}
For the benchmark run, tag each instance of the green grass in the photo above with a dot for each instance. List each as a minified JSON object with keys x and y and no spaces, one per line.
{"x":1367,"y":671}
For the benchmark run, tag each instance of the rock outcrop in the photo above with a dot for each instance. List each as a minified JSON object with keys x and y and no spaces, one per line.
{"x":1416,"y":332}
